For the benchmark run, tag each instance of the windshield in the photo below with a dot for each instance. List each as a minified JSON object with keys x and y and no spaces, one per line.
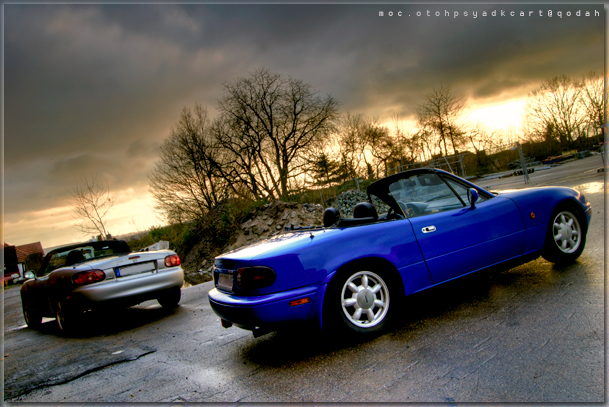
{"x":75,"y":254}
{"x":423,"y":193}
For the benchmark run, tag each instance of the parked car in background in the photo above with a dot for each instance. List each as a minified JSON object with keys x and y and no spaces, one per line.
{"x":352,"y":272}
{"x":78,"y":278}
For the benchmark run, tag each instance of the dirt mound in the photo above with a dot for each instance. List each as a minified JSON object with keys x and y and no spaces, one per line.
{"x":269,"y":220}
{"x":274,"y":217}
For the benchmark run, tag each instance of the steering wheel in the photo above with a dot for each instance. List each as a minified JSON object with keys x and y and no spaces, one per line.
{"x":395,"y":215}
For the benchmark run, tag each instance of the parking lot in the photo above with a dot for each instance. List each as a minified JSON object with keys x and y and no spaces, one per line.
{"x":534,"y":333}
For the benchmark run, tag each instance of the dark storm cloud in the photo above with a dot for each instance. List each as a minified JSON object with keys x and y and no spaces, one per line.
{"x":96,"y":87}
{"x":481,"y":57}
{"x":72,"y":168}
{"x":141,"y":149}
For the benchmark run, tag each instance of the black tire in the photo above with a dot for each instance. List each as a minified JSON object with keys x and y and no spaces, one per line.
{"x":170,"y":298}
{"x":66,"y":318}
{"x":359,"y":302}
{"x":566,"y":235}
{"x":33,"y":318}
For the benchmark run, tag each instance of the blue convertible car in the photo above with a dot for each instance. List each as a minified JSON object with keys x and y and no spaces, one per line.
{"x":351,"y":273}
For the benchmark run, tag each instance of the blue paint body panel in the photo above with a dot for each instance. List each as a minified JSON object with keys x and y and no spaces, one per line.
{"x":266,"y":310}
{"x":422,"y":251}
{"x":468,"y":239}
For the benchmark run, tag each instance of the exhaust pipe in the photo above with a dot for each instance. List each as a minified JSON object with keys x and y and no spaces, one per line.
{"x":258,"y":332}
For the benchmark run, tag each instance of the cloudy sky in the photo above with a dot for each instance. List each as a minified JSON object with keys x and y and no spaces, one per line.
{"x":95,"y":88}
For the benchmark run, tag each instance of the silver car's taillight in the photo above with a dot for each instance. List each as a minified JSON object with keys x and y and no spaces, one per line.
{"x":88,"y":277}
{"x":172,"y":261}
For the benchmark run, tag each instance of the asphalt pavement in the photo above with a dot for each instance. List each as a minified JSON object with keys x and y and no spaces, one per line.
{"x":534,"y":333}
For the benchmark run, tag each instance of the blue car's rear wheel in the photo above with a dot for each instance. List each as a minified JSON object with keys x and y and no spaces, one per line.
{"x":360,"y":301}
{"x":566,"y":235}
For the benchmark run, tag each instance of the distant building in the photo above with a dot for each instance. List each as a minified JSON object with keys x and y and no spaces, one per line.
{"x":10,"y":260}
{"x":17,"y":259}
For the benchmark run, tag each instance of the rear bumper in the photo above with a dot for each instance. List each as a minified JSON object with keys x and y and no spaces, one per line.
{"x":129,"y":290}
{"x":263,"y":311}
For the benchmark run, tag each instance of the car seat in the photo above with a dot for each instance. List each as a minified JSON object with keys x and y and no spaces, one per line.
{"x":74,"y":257}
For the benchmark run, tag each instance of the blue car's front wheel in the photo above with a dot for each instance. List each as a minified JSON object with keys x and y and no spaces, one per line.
{"x":566,"y":235}
{"x":361,"y":301}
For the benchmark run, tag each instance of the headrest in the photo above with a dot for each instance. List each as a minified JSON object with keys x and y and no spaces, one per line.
{"x":331,"y":216}
{"x":365,"y":210}
{"x":74,"y":257}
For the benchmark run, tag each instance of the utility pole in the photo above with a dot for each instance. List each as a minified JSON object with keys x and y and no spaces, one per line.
{"x":523,"y":164}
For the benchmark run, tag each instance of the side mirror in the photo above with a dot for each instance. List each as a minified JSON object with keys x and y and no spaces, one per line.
{"x":29,"y":274}
{"x":472,"y":196}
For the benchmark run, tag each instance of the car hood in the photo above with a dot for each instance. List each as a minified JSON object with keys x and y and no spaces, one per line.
{"x":528,"y":191}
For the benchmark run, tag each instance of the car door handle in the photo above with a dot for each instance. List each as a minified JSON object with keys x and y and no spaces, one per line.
{"x":428,"y":229}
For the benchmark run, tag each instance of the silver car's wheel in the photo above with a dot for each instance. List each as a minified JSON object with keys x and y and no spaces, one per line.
{"x":32,"y":318}
{"x":365,"y":299}
{"x":65,"y":318}
{"x":170,"y":298}
{"x":566,"y":232}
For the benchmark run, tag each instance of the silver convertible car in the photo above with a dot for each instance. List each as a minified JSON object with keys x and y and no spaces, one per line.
{"x":81,"y":277}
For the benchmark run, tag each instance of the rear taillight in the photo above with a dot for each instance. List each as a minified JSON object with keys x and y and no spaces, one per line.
{"x":249,"y":278}
{"x":88,"y":277}
{"x":172,"y":261}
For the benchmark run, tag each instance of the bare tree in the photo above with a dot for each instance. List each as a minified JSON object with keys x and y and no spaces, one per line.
{"x":439,"y":113}
{"x":91,"y":203}
{"x":593,"y":90}
{"x":187,"y":179}
{"x":383,"y":148}
{"x":479,"y":136}
{"x":351,"y":142}
{"x":364,"y":145}
{"x":554,"y":110}
{"x":408,"y":147}
{"x":269,"y":123}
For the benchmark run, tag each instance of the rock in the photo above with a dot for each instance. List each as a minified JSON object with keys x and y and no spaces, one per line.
{"x":346,"y":201}
{"x":197,"y":278}
{"x":272,"y":218}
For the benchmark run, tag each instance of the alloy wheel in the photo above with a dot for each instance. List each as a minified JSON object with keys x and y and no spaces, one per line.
{"x":365,"y":299}
{"x":566,"y":232}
